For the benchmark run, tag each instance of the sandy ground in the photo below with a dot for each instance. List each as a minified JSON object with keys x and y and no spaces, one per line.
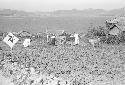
{"x":4,"y":81}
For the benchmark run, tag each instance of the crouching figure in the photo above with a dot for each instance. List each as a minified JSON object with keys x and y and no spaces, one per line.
{"x":93,"y":42}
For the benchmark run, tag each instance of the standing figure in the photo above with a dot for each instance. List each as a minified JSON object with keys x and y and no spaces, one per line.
{"x":76,"y":39}
{"x":53,"y":40}
{"x":48,"y":38}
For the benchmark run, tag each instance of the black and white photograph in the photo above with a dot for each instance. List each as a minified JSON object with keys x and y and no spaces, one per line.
{"x":62,"y":42}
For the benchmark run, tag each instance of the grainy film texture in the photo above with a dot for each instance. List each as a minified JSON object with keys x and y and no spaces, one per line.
{"x":62,"y":42}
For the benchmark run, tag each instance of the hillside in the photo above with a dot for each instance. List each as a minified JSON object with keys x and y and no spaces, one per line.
{"x":73,"y":12}
{"x":115,"y":12}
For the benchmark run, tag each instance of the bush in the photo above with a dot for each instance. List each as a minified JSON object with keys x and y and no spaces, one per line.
{"x":102,"y":33}
{"x":96,"y":32}
{"x":113,"y":39}
{"x":122,"y":37}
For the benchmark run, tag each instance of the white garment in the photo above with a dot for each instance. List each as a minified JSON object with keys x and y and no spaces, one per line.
{"x":53,"y":37}
{"x":76,"y":38}
{"x":26,"y":42}
{"x":47,"y":38}
{"x":93,"y":41}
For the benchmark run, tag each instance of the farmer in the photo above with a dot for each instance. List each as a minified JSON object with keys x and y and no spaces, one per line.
{"x":48,"y":38}
{"x":76,"y":39}
{"x":26,"y":42}
{"x":94,"y":41}
{"x":53,"y":39}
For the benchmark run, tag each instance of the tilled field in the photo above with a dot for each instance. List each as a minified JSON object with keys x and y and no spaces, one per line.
{"x":42,"y":64}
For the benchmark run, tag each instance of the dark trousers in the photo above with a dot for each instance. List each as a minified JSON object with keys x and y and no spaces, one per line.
{"x":53,"y":41}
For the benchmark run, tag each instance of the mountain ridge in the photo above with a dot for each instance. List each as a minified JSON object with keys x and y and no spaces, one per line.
{"x":73,"y":12}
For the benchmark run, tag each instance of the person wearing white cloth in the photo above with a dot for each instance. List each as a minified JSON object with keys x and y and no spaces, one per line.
{"x":76,"y":39}
{"x":94,"y":41}
{"x":26,"y":42}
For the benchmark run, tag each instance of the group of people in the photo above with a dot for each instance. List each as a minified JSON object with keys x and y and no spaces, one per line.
{"x":11,"y":39}
{"x":53,"y":38}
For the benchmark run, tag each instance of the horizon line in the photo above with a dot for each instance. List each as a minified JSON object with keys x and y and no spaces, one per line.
{"x":63,"y":9}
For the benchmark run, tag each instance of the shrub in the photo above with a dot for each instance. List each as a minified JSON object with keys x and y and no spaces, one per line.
{"x":96,"y":32}
{"x":106,"y":38}
{"x":122,"y":37}
{"x":110,"y":39}
{"x":113,"y":39}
